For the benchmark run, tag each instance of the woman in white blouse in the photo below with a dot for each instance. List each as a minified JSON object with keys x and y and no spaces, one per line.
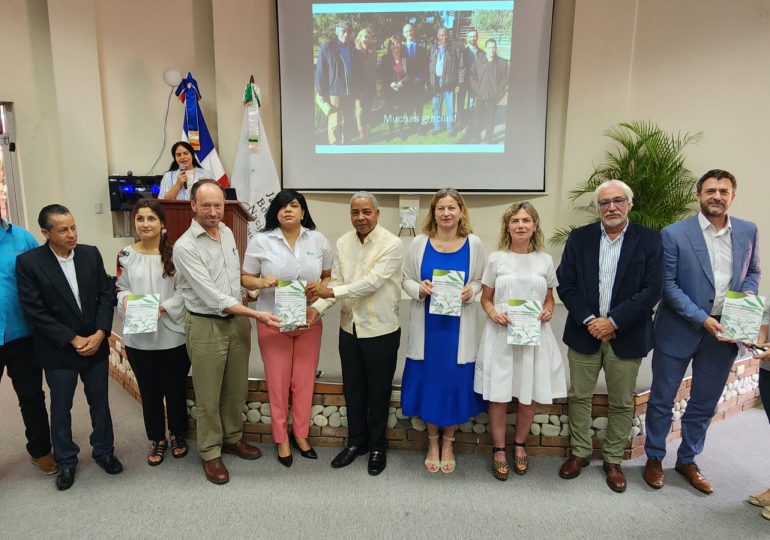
{"x":288,"y":248}
{"x":183,"y":172}
{"x":159,"y":359}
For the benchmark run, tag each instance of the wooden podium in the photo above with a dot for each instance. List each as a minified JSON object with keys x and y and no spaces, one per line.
{"x":179,"y":215}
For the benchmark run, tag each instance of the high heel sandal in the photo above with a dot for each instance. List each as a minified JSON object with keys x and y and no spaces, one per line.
{"x":448,"y":465}
{"x":500,"y":468}
{"x":158,"y":450}
{"x":179,"y":447}
{"x":432,"y":465}
{"x":520,"y":463}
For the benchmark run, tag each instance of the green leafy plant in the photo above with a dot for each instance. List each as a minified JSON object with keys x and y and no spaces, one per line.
{"x":651,"y":162}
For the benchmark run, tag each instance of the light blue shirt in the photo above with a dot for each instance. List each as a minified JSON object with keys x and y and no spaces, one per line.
{"x":13,"y":241}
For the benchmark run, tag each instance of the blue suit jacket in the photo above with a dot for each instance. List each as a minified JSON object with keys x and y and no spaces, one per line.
{"x":637,"y":288}
{"x":688,"y":295}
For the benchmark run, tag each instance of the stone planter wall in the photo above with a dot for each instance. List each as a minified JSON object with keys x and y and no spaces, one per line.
{"x":549,"y":435}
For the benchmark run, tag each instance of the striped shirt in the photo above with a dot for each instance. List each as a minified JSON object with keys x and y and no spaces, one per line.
{"x":209,"y":270}
{"x":609,"y":254}
{"x":367,"y":278}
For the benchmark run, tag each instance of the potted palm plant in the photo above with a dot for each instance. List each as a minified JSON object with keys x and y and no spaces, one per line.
{"x":650,"y":161}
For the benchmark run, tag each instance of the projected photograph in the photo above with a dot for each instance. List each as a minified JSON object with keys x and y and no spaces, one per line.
{"x":411,"y":77}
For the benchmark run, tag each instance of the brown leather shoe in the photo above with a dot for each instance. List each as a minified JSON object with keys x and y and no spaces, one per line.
{"x":242,"y":449}
{"x":616,"y":480}
{"x":46,"y":464}
{"x":653,"y":473}
{"x":215,"y":470}
{"x":694,"y":476}
{"x":571,"y":468}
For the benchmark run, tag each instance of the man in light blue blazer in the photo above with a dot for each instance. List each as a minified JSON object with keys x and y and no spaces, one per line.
{"x":704,"y":256}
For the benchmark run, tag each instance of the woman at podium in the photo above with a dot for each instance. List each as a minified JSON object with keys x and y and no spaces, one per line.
{"x":185,"y":170}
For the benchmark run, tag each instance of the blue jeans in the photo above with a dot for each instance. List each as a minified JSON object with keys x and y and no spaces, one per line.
{"x":448,"y":97}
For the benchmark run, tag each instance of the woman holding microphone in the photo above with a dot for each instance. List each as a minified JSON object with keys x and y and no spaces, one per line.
{"x":182,"y":174}
{"x":159,"y":359}
{"x":437,"y":384}
{"x":288,"y":248}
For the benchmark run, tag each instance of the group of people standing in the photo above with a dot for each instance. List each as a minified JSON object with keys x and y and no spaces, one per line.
{"x":463,"y":83}
{"x":611,"y":276}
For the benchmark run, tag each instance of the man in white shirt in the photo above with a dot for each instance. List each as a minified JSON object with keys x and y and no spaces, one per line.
{"x":705,"y":256}
{"x":366,"y":276}
{"x":68,"y":299}
{"x":218,"y":330}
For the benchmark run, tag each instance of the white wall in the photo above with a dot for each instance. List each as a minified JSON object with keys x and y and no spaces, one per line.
{"x":93,"y":104}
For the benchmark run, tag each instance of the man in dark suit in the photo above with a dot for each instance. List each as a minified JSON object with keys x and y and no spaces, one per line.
{"x":610,"y":278}
{"x":705,"y":256}
{"x":68,"y":299}
{"x":416,"y":59}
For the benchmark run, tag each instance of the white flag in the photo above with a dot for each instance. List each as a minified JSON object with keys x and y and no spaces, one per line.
{"x":254,"y":177}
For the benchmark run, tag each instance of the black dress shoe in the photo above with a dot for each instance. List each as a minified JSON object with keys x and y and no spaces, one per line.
{"x":377,"y":462}
{"x":348,"y":455}
{"x":286,"y":461}
{"x":65,"y":478}
{"x":309,"y":454}
{"x":110,"y":464}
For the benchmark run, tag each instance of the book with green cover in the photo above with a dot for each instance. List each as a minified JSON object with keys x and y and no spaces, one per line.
{"x":141,"y":314}
{"x":524,"y":326}
{"x":446,"y":298}
{"x":291,"y":304}
{"x":742,"y":316}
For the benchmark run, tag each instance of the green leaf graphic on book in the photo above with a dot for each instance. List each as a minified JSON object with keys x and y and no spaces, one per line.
{"x":446,"y":298}
{"x":524,"y":327}
{"x":291,"y":304}
{"x":742,"y":315}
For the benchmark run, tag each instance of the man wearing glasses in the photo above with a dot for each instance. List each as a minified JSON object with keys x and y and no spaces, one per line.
{"x":610,"y":278}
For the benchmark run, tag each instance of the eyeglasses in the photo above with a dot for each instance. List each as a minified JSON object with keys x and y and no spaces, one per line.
{"x":617,"y":201}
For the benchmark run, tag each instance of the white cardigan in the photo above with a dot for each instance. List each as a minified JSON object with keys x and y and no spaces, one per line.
{"x":469,"y":327}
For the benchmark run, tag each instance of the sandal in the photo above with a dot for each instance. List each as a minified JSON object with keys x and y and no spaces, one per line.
{"x":759,"y":500}
{"x":432,"y":465}
{"x":447,"y":465}
{"x":520,"y":463}
{"x":179,"y":447}
{"x":500,"y":468}
{"x":157,"y":453}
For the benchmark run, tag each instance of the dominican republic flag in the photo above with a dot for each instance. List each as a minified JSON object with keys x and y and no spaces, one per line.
{"x":255,"y":178}
{"x":195,"y":132}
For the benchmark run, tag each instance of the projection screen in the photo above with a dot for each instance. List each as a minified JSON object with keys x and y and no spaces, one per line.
{"x":414,"y":96}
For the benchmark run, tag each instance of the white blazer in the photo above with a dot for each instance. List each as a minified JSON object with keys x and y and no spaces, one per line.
{"x":469,"y":322}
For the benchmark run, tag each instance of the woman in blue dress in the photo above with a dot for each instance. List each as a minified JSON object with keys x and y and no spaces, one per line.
{"x":437,"y":384}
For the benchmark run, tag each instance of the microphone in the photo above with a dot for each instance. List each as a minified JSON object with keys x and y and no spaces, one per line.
{"x":181,"y":170}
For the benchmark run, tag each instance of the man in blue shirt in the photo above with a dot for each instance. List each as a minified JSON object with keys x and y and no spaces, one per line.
{"x":16,"y":349}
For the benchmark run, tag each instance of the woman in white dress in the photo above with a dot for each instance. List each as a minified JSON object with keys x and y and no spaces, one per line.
{"x":530,"y":373}
{"x":159,"y":359}
{"x":183,"y":172}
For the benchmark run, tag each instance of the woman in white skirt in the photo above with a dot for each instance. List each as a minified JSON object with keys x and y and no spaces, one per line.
{"x":530,"y":373}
